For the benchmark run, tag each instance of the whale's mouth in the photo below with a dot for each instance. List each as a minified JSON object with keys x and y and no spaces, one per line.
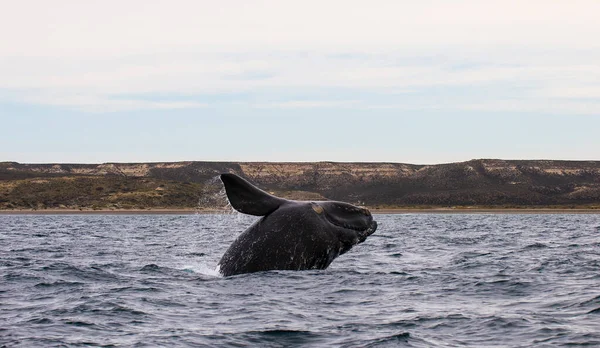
{"x":347,"y":216}
{"x":346,"y":225}
{"x":362,"y":222}
{"x":372,"y":228}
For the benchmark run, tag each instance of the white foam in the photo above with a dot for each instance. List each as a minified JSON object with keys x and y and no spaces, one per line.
{"x":203,"y":269}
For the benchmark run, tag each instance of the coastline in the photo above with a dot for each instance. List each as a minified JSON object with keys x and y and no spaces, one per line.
{"x":181,"y":211}
{"x":487,"y":211}
{"x":190,"y":211}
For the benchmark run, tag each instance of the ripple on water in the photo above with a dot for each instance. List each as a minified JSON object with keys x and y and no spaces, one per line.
{"x":420,"y":281}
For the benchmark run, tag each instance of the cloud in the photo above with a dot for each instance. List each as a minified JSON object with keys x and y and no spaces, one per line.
{"x":90,"y":56}
{"x":110,"y":28}
{"x":105,"y":104}
{"x":572,"y":92}
{"x":283,"y":80}
{"x":545,"y":106}
{"x":307,"y":104}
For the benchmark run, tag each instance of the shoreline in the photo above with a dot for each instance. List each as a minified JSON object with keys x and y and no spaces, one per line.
{"x":487,"y":211}
{"x":190,"y":211}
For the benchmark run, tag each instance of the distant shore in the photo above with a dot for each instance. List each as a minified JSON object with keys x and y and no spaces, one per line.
{"x":188,"y":211}
{"x":476,"y":186}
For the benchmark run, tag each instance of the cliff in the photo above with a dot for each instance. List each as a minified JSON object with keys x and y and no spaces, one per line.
{"x":481,"y":183}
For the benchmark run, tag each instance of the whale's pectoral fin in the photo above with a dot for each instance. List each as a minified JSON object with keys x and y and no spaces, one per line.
{"x":247,"y":198}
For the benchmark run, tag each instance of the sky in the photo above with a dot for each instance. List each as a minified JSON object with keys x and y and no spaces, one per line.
{"x":424,"y":82}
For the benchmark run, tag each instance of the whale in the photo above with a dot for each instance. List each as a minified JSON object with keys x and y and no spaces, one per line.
{"x":290,"y":235}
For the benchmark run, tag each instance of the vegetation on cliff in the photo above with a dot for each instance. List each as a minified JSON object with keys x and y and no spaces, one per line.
{"x":100,"y":192}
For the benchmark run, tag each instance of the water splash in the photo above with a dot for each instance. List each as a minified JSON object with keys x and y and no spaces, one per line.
{"x":203,"y":269}
{"x":213,"y":197}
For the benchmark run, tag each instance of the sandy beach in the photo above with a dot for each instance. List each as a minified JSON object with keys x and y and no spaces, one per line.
{"x":185,"y":211}
{"x":486,"y":211}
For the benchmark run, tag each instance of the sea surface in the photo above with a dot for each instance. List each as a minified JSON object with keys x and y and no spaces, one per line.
{"x":422,"y":280}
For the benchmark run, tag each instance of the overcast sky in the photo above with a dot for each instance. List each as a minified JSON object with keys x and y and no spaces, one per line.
{"x":378,"y":81}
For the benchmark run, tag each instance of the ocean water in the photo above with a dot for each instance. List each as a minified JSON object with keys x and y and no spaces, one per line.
{"x":422,"y":280}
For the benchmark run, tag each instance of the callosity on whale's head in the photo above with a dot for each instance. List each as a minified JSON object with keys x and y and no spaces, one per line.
{"x":291,"y":235}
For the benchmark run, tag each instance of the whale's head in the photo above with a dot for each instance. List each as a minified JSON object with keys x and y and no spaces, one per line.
{"x":348,"y":224}
{"x":352,"y":224}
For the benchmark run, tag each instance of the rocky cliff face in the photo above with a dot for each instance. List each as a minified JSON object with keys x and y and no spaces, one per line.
{"x":485,"y":182}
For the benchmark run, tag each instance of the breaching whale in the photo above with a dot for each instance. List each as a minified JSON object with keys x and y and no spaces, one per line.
{"x":291,"y":235}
